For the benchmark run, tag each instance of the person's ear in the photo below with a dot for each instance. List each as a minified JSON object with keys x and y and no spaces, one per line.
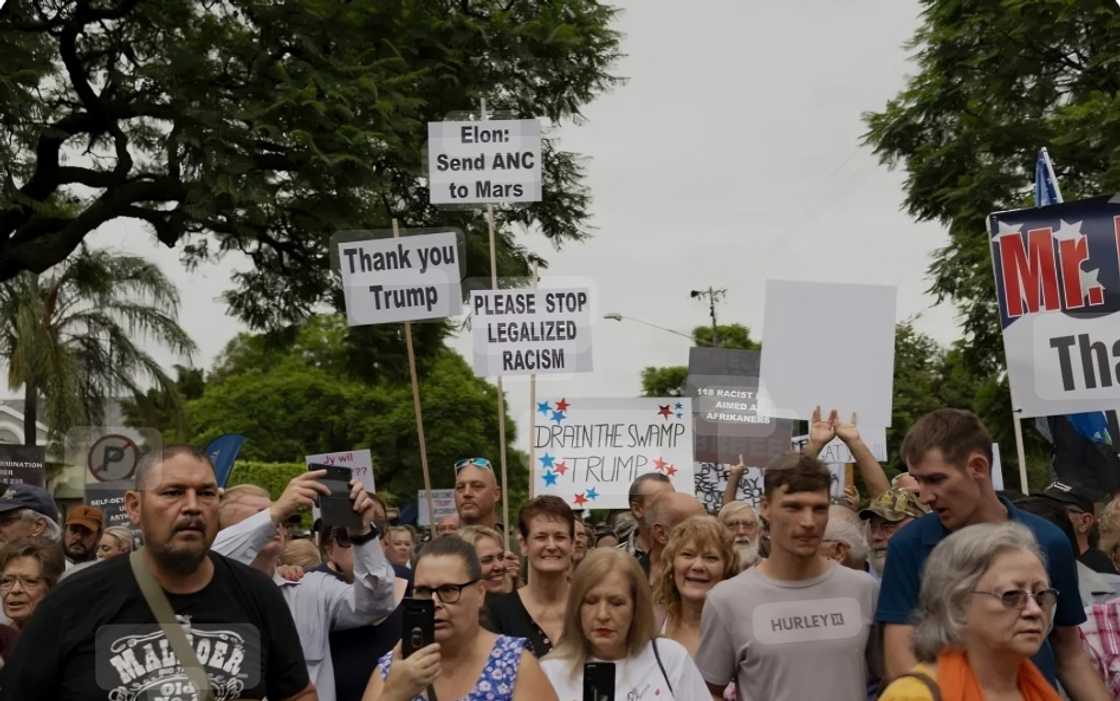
{"x":978,"y":466}
{"x":132,"y":507}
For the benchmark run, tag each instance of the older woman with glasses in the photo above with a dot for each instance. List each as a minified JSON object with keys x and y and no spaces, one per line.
{"x":29,"y":568}
{"x":986,"y":608}
{"x":465,"y":662}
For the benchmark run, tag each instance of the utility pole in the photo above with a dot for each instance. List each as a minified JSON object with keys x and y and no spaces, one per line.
{"x":713,"y":296}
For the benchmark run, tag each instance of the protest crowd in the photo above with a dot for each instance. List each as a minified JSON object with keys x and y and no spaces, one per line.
{"x":935,"y":586}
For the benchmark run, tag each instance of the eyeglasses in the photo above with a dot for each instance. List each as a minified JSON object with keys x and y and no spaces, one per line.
{"x":1017,"y":598}
{"x":8,"y":582}
{"x":481,"y":463}
{"x":447,"y":593}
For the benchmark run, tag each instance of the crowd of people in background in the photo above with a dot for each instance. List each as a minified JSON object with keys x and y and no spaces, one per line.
{"x":935,"y":587}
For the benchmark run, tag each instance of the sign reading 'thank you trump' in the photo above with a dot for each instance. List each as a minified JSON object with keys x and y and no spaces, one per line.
{"x":524,"y":331}
{"x":1057,"y":275}
{"x":588,"y":451}
{"x":388,"y":280}
{"x":492,"y":161}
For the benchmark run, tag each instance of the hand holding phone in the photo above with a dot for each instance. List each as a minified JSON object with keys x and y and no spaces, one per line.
{"x":418,"y":628}
{"x":337,"y":508}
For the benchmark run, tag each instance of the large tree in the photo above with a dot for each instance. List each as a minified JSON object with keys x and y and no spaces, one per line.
{"x":74,"y":336}
{"x":994,"y":82}
{"x":266,"y":127}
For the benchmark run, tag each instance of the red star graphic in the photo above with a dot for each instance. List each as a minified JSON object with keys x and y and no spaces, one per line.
{"x":670,"y":470}
{"x":560,"y":468}
{"x":562,"y":405}
{"x":659,"y":464}
{"x":580,"y":500}
{"x":664,"y":411}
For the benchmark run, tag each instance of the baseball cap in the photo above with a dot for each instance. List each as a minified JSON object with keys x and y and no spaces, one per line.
{"x":28,"y":496}
{"x":1070,"y":495}
{"x":895,"y":505}
{"x":88,"y":516}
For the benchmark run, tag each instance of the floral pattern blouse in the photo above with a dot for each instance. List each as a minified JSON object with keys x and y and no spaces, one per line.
{"x":499,"y":675}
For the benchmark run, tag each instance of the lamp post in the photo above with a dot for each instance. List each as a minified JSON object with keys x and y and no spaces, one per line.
{"x":713,"y":296}
{"x":615,"y":316}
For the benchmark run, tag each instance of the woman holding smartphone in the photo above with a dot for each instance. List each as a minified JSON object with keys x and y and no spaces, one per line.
{"x":465,"y":663}
{"x":610,"y":635}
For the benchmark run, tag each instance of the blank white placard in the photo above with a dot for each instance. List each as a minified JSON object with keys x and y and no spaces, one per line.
{"x":830,"y":345}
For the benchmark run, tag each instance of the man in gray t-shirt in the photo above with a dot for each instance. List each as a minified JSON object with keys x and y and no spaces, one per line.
{"x":796,"y":627}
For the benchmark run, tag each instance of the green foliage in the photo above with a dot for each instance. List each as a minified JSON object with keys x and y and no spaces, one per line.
{"x":669,"y":381}
{"x":273,"y":476}
{"x":73,"y":336}
{"x":267,"y":127}
{"x":157,"y":408}
{"x":302,"y":398}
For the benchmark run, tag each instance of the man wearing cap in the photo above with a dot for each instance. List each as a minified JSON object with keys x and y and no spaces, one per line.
{"x":1079,"y":507}
{"x":83,"y":531}
{"x":885,"y":516}
{"x":26,"y":511}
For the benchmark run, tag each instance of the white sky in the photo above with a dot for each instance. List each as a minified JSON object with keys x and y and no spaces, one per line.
{"x":730,"y":156}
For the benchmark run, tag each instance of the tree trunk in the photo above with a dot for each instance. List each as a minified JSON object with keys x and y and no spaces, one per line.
{"x":30,"y":414}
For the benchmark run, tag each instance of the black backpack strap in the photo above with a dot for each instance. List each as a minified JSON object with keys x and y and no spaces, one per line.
{"x":657,"y":654}
{"x":928,"y":681}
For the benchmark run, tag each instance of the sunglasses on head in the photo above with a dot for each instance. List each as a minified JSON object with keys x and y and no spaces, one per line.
{"x":481,"y":463}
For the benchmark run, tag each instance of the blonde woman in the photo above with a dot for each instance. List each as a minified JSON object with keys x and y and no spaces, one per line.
{"x":116,"y":540}
{"x":487,"y":544}
{"x":609,"y":618}
{"x":701,"y":553}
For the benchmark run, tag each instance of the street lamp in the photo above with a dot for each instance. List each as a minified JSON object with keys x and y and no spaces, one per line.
{"x":713,"y":296}
{"x":615,"y":316}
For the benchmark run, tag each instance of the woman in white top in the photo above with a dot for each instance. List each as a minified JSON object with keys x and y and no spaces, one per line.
{"x":700,"y":554}
{"x":609,"y":618}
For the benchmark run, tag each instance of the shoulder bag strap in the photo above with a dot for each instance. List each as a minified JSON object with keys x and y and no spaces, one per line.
{"x":930,"y":684}
{"x":657,"y":654}
{"x":165,"y":615}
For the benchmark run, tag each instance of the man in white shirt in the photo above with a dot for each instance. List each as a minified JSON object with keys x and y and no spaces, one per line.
{"x":253,"y":533}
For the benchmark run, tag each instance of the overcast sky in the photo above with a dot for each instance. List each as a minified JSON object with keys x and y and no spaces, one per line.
{"x":730,"y":156}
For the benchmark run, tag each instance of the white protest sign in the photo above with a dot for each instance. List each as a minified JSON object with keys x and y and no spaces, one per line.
{"x":711,"y":481}
{"x":836,"y":451}
{"x":360,"y":462}
{"x":997,"y":469}
{"x":388,"y":280}
{"x":525,"y":331}
{"x":588,"y":451}
{"x":830,"y":345}
{"x":443,"y":501}
{"x":488,"y":162}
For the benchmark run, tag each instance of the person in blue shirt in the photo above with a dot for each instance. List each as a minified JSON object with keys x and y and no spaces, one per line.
{"x":949,"y":453}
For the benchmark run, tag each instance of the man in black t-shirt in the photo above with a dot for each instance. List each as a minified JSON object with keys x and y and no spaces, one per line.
{"x":95,"y":638}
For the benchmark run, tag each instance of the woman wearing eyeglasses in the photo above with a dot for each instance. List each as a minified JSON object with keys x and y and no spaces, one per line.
{"x":466,"y":663}
{"x":986,"y":608}
{"x":29,"y":568}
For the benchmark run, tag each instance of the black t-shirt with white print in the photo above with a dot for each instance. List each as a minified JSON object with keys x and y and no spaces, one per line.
{"x":95,"y":639}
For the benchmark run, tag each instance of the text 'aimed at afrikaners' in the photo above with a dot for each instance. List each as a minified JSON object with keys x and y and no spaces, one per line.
{"x":388,"y":280}
{"x":518,"y":332}
{"x":1057,"y":278}
{"x":487,"y":162}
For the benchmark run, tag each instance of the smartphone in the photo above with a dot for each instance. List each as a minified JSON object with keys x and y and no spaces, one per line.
{"x":418,"y":628}
{"x":598,"y":681}
{"x":336,"y":508}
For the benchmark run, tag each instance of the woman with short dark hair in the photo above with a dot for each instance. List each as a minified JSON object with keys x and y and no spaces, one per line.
{"x":465,"y":662}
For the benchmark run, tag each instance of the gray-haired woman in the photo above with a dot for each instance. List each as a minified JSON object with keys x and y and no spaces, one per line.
{"x":987,"y":608}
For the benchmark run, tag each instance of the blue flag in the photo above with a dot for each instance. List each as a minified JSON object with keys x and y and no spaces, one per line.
{"x":223,"y":451}
{"x":1046,"y":190}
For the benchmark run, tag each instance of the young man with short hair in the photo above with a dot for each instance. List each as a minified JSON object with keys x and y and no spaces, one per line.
{"x":763,"y":627}
{"x":949,"y":453}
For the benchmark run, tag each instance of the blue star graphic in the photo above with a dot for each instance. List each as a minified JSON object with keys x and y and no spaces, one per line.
{"x":547,"y":460}
{"x":680,"y":416}
{"x":558,"y":416}
{"x":592,"y":494}
{"x":543,"y":408}
{"x":679,"y":406}
{"x":549,"y":478}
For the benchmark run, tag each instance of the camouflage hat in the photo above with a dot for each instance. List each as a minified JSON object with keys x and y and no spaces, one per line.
{"x":895,"y":505}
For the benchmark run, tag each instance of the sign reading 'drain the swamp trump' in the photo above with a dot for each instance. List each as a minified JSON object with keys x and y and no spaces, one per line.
{"x":387,"y":280}
{"x":491,"y":161}
{"x":524,"y":331}
{"x":590,"y":450}
{"x":1057,"y":275}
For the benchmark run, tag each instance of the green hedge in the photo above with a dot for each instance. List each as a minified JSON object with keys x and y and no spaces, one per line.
{"x":273,"y":476}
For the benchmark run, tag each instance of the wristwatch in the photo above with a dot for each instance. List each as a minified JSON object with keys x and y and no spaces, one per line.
{"x":373,"y":532}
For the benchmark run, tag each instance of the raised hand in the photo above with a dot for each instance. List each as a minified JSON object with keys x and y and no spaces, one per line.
{"x":847,"y":432}
{"x":821,"y":431}
{"x":300,"y":493}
